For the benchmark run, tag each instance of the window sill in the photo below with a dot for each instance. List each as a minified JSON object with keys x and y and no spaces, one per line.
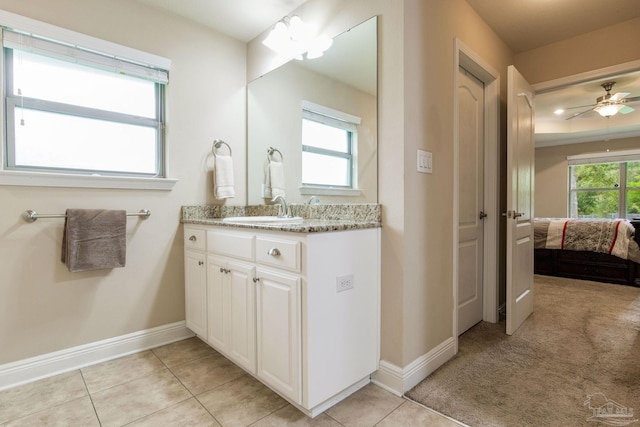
{"x":43,"y":179}
{"x":329,"y":191}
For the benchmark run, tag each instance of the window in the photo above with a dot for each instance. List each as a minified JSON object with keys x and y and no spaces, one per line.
{"x":79,"y":111}
{"x":606,"y":186}
{"x":329,"y":142}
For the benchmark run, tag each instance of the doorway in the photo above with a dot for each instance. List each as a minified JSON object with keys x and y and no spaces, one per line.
{"x":466,"y":59}
{"x":471,"y":213}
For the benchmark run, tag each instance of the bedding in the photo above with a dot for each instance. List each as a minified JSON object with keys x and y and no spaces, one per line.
{"x":614,"y":237}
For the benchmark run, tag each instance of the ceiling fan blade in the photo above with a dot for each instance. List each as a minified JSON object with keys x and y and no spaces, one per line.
{"x":580,"y":113}
{"x":581,"y":106}
{"x":618,"y":96}
{"x":633,"y":99}
{"x":626,"y":110}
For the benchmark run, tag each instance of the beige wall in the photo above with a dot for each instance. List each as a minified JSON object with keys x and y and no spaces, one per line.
{"x":430,"y":29}
{"x":552,"y":177}
{"x":43,"y":307}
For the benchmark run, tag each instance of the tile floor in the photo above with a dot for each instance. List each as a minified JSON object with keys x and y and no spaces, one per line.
{"x":187,"y":383}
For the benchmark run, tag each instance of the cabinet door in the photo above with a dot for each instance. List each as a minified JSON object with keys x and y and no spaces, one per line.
{"x":241,"y":307}
{"x":216,"y":297}
{"x":278,"y":332}
{"x":195,"y":292}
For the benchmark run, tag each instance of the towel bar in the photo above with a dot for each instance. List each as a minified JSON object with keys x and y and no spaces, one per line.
{"x":272,"y":150}
{"x":217,"y":143}
{"x":31,"y":215}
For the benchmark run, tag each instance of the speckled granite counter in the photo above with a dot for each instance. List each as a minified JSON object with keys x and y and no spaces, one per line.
{"x":316,"y":218}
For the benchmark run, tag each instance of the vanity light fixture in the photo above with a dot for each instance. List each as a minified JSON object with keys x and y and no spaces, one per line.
{"x":291,"y":36}
{"x":609,"y":110}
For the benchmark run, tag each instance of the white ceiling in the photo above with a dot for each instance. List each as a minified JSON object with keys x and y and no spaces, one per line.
{"x":240,"y":19}
{"x":521,"y":24}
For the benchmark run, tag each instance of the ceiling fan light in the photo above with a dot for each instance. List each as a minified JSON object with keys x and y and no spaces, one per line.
{"x":609,"y":110}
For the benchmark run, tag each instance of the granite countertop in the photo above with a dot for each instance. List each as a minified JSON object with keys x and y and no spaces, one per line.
{"x":315,"y":218}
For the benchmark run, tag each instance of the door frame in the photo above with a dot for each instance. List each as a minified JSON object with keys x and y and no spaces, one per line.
{"x":464,"y":57}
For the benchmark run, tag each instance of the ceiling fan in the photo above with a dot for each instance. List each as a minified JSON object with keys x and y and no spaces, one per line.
{"x":609,"y":105}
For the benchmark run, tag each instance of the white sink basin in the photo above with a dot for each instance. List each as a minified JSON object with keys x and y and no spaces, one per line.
{"x":262,"y":219}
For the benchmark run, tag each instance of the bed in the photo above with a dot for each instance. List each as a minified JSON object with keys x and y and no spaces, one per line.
{"x":594,"y":249}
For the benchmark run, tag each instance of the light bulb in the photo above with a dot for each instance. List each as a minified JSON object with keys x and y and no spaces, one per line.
{"x":609,"y":110}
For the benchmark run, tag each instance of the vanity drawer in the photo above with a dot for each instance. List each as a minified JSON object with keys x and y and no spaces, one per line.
{"x":195,"y":239}
{"x":231,"y":244}
{"x":278,"y":253}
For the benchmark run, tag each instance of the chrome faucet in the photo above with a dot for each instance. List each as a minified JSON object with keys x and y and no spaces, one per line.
{"x":283,"y":210}
{"x":313,"y":199}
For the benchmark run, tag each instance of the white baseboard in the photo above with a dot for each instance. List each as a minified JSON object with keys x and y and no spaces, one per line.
{"x":400,"y":380}
{"x":47,"y":365}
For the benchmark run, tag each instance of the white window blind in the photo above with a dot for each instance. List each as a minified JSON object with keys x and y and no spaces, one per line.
{"x":607,"y":157}
{"x":76,"y":54}
{"x":329,"y":116}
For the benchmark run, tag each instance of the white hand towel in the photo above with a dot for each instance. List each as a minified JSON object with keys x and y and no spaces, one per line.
{"x":223,"y":177}
{"x":274,"y":185}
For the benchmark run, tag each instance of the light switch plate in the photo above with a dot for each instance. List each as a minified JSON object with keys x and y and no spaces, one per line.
{"x":425,"y":161}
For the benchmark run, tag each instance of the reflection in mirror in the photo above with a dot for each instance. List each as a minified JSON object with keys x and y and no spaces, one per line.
{"x":335,"y":95}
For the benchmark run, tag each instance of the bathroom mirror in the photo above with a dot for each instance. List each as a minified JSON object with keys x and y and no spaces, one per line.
{"x":343,"y":80}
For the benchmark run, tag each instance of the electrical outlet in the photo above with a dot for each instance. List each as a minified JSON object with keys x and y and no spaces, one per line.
{"x":344,"y":283}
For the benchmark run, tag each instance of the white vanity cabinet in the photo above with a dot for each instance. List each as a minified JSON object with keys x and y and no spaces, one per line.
{"x":299,"y":311}
{"x":231,"y":296}
{"x":278,"y":332}
{"x":195,"y":280}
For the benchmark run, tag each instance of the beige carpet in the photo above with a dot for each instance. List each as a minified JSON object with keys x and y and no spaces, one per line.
{"x":582,"y":339}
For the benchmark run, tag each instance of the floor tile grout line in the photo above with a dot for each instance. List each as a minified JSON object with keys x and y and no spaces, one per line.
{"x":208,"y":411}
{"x":46,"y":409}
{"x":189,"y":391}
{"x":95,"y":411}
{"x":270,"y":413}
{"x":390,"y":412}
{"x":325,"y":413}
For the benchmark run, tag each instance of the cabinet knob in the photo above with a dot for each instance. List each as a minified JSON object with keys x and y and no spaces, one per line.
{"x":256,"y":279}
{"x":273,"y":252}
{"x":193,"y":238}
{"x":200,"y":262}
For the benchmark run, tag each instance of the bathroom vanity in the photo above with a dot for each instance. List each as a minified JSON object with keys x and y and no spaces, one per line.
{"x":297,"y":305}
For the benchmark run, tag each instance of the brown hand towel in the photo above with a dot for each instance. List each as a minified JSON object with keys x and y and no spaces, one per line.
{"x":94,"y":239}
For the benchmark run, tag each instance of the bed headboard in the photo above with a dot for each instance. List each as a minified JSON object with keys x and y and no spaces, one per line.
{"x":636,"y":225}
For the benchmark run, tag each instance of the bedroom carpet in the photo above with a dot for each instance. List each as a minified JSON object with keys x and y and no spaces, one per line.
{"x":582,"y":340}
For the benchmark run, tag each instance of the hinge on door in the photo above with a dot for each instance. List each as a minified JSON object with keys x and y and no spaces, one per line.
{"x":482,"y":215}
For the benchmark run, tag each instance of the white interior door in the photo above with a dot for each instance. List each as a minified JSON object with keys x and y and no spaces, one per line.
{"x":520,"y":175}
{"x":470,"y":199}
